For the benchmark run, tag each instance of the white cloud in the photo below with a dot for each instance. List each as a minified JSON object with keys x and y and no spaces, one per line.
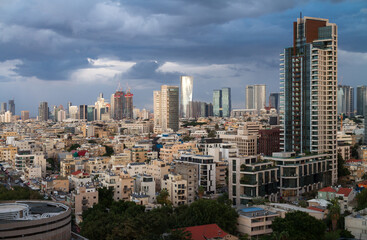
{"x":101,"y":70}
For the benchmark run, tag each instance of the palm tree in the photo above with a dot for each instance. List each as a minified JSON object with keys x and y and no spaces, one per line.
{"x":334,"y":212}
{"x":201,"y":191}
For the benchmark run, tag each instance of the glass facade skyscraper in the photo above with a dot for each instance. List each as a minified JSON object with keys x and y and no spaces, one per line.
{"x":274,"y":100}
{"x":226,"y":102}
{"x":12,"y":106}
{"x":308,"y":104}
{"x":361,"y":99}
{"x":222,"y":103}
{"x":345,"y":97}
{"x":217,"y":103}
{"x":186,"y":96}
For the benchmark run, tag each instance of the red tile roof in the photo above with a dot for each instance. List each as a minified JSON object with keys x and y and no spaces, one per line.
{"x":344,"y":191}
{"x":204,"y":232}
{"x":76,"y":173}
{"x":316,"y":209}
{"x":327,"y":189}
{"x":354,"y":160}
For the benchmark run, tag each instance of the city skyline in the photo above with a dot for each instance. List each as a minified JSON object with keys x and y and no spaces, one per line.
{"x":68,"y":62}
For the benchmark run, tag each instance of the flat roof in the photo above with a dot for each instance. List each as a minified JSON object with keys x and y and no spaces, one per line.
{"x":251,"y":209}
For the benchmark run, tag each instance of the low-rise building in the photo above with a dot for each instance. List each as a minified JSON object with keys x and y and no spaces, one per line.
{"x":255,"y":221}
{"x":84,"y":198}
{"x":356,"y":223}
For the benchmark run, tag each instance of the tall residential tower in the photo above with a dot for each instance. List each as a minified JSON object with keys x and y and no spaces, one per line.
{"x":308,"y":104}
{"x":166,"y":108}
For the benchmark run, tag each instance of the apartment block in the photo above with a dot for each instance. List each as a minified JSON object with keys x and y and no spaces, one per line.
{"x":206,"y":173}
{"x":251,"y":177}
{"x":177,"y":189}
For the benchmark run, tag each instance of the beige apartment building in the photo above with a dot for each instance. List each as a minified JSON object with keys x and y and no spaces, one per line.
{"x":138,"y":154}
{"x":255,"y":221}
{"x":344,"y":151}
{"x":84,"y":198}
{"x":170,"y":151}
{"x":220,"y":170}
{"x":189,"y":172}
{"x":7,"y":153}
{"x":246,"y":144}
{"x":121,"y":159}
{"x":177,"y":189}
{"x":123,"y":184}
{"x":98,"y":164}
{"x":157,"y":169}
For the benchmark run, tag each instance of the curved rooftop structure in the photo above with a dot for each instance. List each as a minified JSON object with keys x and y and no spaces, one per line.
{"x":35,"y":220}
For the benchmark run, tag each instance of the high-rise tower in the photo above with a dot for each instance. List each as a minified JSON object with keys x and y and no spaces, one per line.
{"x":12,"y":106}
{"x":308,"y":104}
{"x":361,"y":99}
{"x":166,"y":108}
{"x":186,"y":96}
{"x":3,"y":107}
{"x":129,"y":107}
{"x":274,"y":100}
{"x":217,"y":103}
{"x":345,"y":98}
{"x":43,"y":111}
{"x":256,"y":96}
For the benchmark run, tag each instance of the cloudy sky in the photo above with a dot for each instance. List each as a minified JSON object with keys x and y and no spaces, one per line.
{"x":70,"y":50}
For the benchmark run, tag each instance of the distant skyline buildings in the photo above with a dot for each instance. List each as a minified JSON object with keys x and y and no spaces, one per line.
{"x":11,"y":106}
{"x":256,"y":96}
{"x":3,"y":107}
{"x":361,"y":99}
{"x":274,"y":100}
{"x":222,"y":102}
{"x":345,"y":99}
{"x":186,"y":91}
{"x":43,"y":111}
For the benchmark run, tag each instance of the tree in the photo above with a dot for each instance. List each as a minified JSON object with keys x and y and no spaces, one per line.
{"x":178,"y":234}
{"x":73,"y":147}
{"x":109,"y":151}
{"x":298,"y":225}
{"x":362,"y":200}
{"x":212,"y":134}
{"x":162,"y":198}
{"x":105,"y":196}
{"x":18,"y":193}
{"x":334,"y":213}
{"x":354,"y":151}
{"x":342,"y":170}
{"x":187,"y":138}
{"x":201,"y":191}
{"x":205,"y":211}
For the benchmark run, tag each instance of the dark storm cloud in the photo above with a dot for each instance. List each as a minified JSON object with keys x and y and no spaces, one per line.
{"x":54,"y":39}
{"x":150,"y":70}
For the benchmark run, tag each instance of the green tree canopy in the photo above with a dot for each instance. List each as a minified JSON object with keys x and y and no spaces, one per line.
{"x":299,"y":226}
{"x":126,"y":220}
{"x":18,"y":193}
{"x":362,"y":200}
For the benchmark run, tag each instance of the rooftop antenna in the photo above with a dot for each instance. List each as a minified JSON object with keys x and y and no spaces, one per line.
{"x":300,"y":15}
